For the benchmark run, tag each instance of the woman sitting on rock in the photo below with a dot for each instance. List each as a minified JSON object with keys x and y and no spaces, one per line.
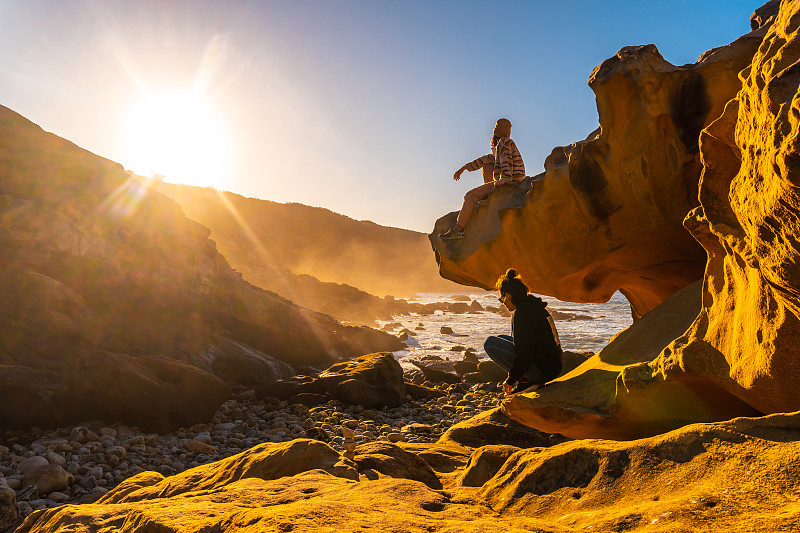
{"x":503,"y":165}
{"x":532,"y":354}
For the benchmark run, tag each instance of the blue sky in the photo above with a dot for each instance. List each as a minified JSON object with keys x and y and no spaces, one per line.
{"x":364,"y":107}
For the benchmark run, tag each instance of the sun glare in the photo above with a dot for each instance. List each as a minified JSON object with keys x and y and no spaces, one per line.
{"x":180,"y":138}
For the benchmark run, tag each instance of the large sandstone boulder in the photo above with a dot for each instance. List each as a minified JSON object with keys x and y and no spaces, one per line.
{"x":373,"y":380}
{"x":746,"y":339}
{"x":606,"y":214}
{"x":265,"y":461}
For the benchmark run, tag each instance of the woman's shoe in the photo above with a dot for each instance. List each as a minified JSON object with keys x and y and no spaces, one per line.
{"x":452,"y":234}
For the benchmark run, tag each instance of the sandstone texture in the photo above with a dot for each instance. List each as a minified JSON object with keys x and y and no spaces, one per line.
{"x":115,"y":300}
{"x":733,"y":476}
{"x":618,"y":198}
{"x":724,"y":132}
{"x":745,"y":339}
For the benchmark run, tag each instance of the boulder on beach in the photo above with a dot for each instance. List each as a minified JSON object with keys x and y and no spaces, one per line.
{"x":372,"y":380}
{"x":465,"y":367}
{"x":47,"y":479}
{"x":419,"y":392}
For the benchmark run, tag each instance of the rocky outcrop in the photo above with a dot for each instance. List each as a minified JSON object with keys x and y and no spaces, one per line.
{"x":617,"y":198}
{"x":746,"y":339}
{"x":99,"y":271}
{"x":700,"y":477}
{"x":739,"y":355}
{"x":372,"y":380}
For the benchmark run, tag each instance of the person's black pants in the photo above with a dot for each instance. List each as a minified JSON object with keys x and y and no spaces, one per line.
{"x":501,"y":350}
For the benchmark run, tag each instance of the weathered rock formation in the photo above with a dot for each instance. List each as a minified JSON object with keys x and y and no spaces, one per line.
{"x":746,"y":339}
{"x":734,"y":476}
{"x":739,"y":354}
{"x":606,"y":214}
{"x":113,"y":299}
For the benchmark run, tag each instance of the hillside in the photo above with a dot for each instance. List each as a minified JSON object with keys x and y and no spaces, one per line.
{"x":117,"y":306}
{"x":260,"y":238}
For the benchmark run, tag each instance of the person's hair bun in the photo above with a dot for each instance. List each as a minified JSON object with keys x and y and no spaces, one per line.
{"x":511,"y":273}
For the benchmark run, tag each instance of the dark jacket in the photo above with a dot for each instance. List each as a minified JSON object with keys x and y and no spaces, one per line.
{"x":534,"y":340}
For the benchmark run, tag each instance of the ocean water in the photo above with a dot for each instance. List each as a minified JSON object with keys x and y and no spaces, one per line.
{"x":597,"y":324}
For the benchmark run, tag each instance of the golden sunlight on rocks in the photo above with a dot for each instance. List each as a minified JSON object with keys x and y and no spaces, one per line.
{"x":714,"y":474}
{"x":745,"y":339}
{"x":606,"y":214}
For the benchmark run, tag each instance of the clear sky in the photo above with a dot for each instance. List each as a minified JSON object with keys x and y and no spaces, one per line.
{"x":365,"y":107}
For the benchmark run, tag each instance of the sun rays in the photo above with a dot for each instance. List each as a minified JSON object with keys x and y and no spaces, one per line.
{"x":178,"y":132}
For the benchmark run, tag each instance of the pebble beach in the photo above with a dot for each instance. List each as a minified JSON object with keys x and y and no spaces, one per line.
{"x":87,"y":460}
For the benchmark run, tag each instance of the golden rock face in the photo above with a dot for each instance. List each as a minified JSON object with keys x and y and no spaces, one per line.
{"x":697,"y":478}
{"x":739,"y":355}
{"x":746,"y":337}
{"x":606,"y":214}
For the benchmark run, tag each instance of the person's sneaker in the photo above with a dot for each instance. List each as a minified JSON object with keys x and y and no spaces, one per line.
{"x":524,"y":386}
{"x":452,"y":234}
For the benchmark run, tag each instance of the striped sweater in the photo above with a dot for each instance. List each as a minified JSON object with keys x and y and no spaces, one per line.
{"x":509,"y":163}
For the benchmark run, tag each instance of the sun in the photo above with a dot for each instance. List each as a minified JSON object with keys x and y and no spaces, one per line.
{"x":179,"y":137}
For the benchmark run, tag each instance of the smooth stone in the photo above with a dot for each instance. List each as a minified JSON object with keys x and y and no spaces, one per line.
{"x":58,"y":497}
{"x":31,"y":463}
{"x":50,"y":478}
{"x":55,"y":459}
{"x":395,"y":437}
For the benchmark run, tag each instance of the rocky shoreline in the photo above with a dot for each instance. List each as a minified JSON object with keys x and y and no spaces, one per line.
{"x":84,"y":462}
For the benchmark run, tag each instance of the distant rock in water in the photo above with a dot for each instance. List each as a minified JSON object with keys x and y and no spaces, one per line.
{"x":99,"y":272}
